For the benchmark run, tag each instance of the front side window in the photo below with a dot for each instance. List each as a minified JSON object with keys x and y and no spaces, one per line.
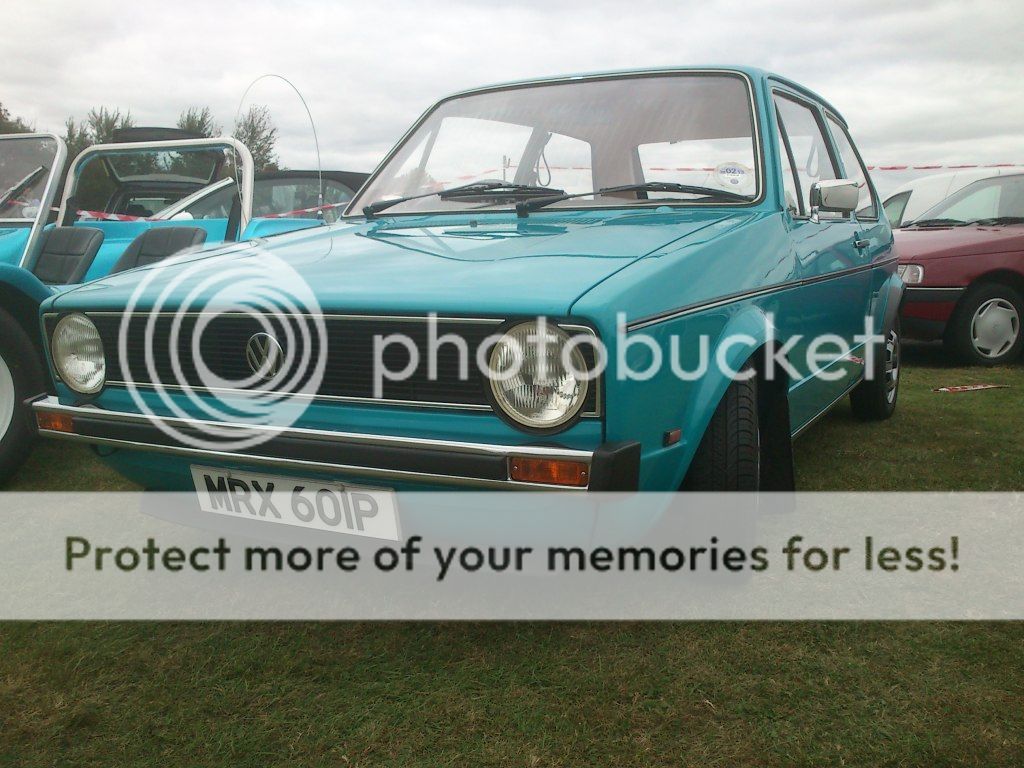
{"x":853,"y":169}
{"x":807,"y":142}
{"x":579,"y":137}
{"x":995,"y":199}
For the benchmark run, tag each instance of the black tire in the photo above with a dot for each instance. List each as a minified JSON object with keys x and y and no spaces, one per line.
{"x":21,"y":361}
{"x":962,"y":332}
{"x":874,"y":399}
{"x":729,"y":455}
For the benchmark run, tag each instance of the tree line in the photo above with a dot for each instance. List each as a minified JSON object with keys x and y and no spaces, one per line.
{"x":255,"y":128}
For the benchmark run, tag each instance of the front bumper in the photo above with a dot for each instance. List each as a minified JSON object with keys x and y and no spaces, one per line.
{"x":926,"y":311}
{"x":437,"y":463}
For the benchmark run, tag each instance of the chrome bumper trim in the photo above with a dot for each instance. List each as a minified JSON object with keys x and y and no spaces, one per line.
{"x":50,"y":404}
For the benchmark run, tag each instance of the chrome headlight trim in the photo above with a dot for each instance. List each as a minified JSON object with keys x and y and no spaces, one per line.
{"x":502,"y":397}
{"x":76,"y":349}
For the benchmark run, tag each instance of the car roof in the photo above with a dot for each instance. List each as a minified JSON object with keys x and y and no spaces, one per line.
{"x":969,"y":175}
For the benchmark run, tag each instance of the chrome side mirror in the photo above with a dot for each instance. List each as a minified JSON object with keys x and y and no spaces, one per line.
{"x":834,"y":196}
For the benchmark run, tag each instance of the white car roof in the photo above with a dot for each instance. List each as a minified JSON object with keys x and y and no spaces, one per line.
{"x":929,"y":191}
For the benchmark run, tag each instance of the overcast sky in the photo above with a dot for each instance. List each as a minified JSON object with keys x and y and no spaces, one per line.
{"x":918,"y":82}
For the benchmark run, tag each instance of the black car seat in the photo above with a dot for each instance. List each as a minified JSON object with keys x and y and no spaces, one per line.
{"x":66,"y":253}
{"x":157,"y":244}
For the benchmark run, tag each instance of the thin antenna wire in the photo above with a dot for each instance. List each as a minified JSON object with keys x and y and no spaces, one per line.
{"x":312,"y":124}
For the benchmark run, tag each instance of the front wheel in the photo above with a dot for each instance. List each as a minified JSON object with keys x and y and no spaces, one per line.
{"x":874,"y":399}
{"x":986,"y":327}
{"x":729,"y":455}
{"x":20,"y":378}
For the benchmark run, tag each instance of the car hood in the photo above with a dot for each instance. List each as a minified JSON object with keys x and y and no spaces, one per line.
{"x":945,"y":242}
{"x":494,"y":263}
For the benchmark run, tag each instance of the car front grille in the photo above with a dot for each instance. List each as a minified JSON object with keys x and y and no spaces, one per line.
{"x":347,"y":370}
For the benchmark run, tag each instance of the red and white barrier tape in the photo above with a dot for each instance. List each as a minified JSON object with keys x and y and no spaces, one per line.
{"x":315,"y":209}
{"x":942,"y":167}
{"x":103,"y":216}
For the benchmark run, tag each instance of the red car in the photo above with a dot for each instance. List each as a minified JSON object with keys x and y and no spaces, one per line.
{"x":963,"y":263}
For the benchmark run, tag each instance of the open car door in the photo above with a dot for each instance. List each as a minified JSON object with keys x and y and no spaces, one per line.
{"x":120,"y":189}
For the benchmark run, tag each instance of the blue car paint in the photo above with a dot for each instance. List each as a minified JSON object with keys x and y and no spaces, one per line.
{"x":13,"y":239}
{"x":646,"y":263}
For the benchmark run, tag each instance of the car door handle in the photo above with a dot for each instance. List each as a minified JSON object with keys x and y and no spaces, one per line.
{"x":861,"y":243}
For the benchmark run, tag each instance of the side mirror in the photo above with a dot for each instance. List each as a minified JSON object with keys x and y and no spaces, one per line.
{"x":834,"y":196}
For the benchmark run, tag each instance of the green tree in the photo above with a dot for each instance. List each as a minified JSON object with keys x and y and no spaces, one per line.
{"x":257,"y":131}
{"x":10,"y":124}
{"x":103,"y":122}
{"x":76,"y":136}
{"x":199,"y":120}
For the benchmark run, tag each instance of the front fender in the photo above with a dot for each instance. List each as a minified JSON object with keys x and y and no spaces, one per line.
{"x":647,"y":410}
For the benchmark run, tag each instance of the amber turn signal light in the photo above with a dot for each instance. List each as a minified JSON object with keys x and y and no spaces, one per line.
{"x":575,"y":474}
{"x":55,"y":422}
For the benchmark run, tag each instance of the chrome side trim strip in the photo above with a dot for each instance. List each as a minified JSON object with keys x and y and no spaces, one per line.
{"x":731,"y":298}
{"x":825,"y":411}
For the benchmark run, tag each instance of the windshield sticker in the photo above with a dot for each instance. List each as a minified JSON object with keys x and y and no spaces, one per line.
{"x":734,"y":176}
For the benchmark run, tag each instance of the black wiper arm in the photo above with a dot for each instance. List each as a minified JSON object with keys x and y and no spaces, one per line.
{"x":524,"y":208}
{"x":477,"y":186}
{"x":935,"y":223}
{"x":509,"y":190}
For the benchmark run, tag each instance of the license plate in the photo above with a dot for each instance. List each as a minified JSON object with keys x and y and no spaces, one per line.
{"x":315,"y":504}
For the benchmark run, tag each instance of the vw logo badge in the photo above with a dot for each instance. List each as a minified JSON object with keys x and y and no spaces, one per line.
{"x":264,"y":355}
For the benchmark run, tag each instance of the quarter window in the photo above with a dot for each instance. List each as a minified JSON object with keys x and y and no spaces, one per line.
{"x":810,"y":150}
{"x":895,"y":206}
{"x":790,"y":190}
{"x":853,"y":169}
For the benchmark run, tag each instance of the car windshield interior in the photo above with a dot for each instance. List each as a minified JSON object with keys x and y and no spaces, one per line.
{"x":986,"y":200}
{"x":25,"y":166}
{"x":575,"y":137}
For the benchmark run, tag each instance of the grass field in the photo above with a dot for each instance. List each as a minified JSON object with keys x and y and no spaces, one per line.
{"x":673,"y":694}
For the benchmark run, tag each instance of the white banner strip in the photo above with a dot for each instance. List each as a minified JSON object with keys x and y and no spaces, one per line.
{"x":353,"y":553}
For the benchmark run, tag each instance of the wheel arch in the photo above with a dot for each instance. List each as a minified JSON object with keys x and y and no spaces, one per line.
{"x":21,"y":294}
{"x":760,"y":344}
{"x":1000,"y":276}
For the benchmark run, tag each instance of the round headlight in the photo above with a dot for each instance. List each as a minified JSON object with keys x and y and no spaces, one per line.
{"x":529,"y":379}
{"x":77,"y":351}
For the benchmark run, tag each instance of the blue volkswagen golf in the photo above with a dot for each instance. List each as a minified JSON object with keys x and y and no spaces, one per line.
{"x":643,"y":280}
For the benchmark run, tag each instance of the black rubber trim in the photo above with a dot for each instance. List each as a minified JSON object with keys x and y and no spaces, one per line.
{"x":932,"y":295}
{"x":425,"y":460}
{"x":615,"y":467}
{"x":730,"y":298}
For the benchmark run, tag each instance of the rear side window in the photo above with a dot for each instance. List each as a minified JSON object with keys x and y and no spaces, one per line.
{"x":801,"y":128}
{"x":853,"y":169}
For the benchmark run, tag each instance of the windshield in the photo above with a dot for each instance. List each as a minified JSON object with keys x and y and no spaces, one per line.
{"x":1001,"y":197}
{"x":577,"y":136}
{"x":25,"y":167}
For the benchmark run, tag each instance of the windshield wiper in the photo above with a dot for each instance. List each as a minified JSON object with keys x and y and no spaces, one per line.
{"x":466,"y":190}
{"x":524,"y":208}
{"x":22,"y":185}
{"x":999,"y":220}
{"x":936,"y":223}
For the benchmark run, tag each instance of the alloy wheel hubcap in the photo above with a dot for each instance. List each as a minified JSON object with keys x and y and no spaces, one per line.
{"x":995,"y":328}
{"x":892,"y":366}
{"x":6,"y":398}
